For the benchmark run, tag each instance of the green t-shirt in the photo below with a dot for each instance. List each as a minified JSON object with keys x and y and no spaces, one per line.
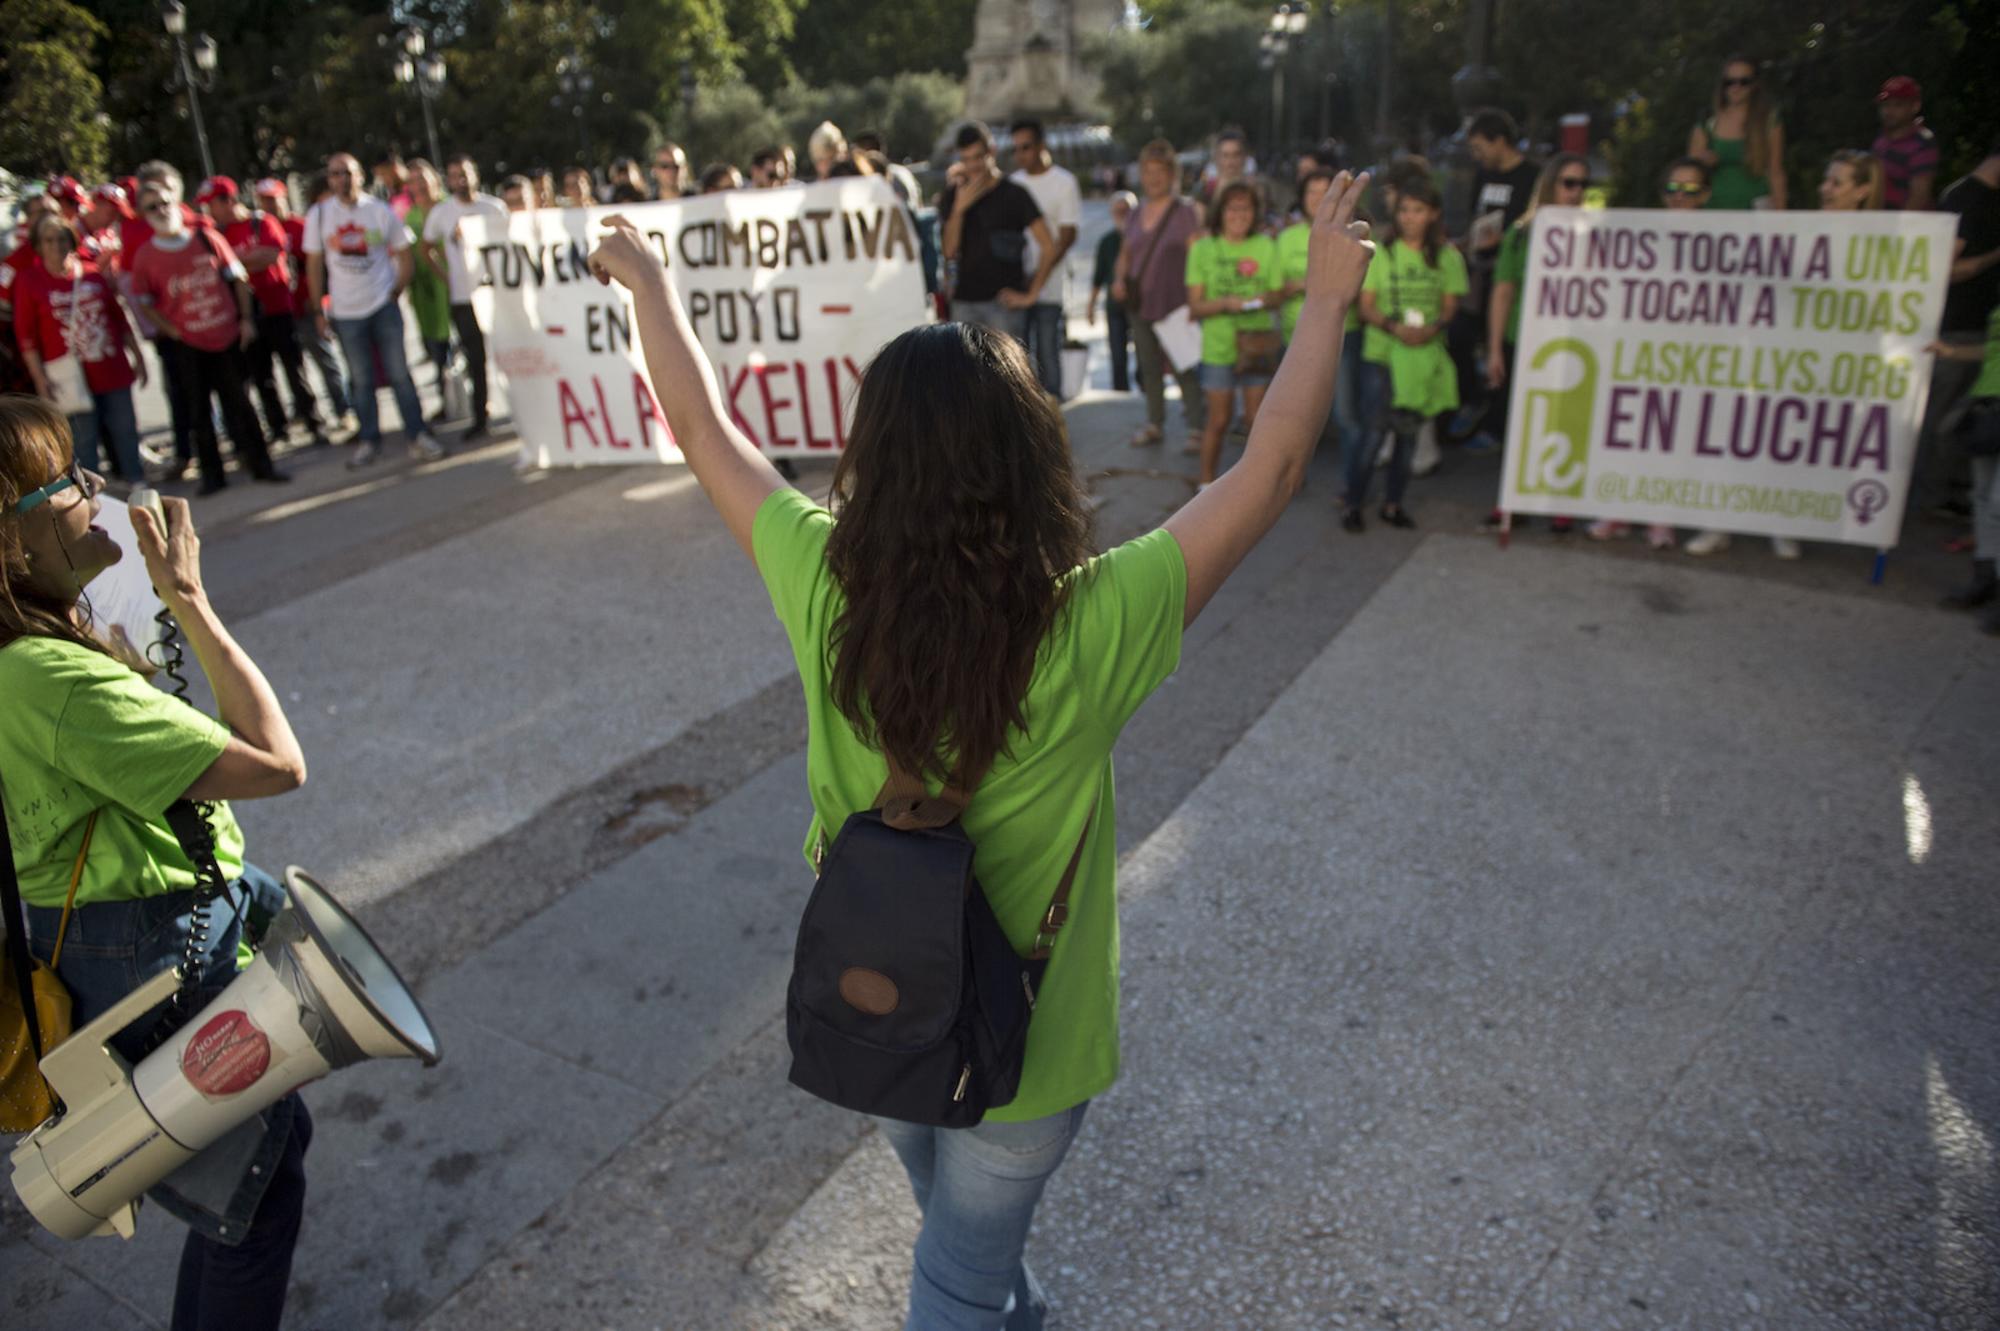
{"x":1293,"y":244}
{"x":1422,"y":379}
{"x":1988,"y":382}
{"x":1247,"y":267}
{"x":1118,"y":639}
{"x":81,"y":732}
{"x":430,"y":298}
{"x":1512,"y":266}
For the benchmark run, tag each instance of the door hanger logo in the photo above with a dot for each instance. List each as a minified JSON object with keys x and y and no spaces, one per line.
{"x":1559,"y":401}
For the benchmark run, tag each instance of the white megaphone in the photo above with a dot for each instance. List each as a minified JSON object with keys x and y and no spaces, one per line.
{"x":318,"y":996}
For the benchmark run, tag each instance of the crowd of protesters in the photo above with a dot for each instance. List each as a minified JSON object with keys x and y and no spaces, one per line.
{"x":1199,"y":279}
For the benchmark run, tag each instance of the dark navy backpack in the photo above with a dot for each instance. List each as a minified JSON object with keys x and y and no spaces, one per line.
{"x":906,"y":999}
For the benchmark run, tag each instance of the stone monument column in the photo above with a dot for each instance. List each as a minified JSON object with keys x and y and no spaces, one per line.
{"x":1027,"y":58}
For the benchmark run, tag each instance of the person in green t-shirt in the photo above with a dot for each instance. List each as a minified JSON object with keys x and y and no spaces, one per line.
{"x":1411,"y":293}
{"x":950,"y":611}
{"x":1233,"y":285}
{"x":1293,"y":245}
{"x":430,"y":294}
{"x":1742,"y":142}
{"x":1980,"y":423}
{"x":91,"y":757}
{"x":1562,"y":182}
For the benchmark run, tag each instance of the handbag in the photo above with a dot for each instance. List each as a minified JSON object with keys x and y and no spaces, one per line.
{"x":906,"y":999}
{"x":34,"y":1006}
{"x":68,"y":388}
{"x":1257,"y":350}
{"x":1979,"y":427}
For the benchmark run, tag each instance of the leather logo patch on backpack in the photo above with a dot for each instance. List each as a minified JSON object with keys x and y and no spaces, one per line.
{"x":869,"y":991}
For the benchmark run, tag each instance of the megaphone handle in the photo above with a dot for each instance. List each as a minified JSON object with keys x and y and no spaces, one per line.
{"x":82,"y":1064}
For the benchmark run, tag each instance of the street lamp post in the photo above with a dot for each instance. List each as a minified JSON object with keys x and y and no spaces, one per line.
{"x":576,"y":83}
{"x":1288,"y":24}
{"x":194,"y":70}
{"x":427,"y":73}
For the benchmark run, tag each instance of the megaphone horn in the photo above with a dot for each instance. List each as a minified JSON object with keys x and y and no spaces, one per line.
{"x":319,"y":996}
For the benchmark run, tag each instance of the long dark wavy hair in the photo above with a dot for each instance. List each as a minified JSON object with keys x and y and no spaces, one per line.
{"x":34,"y":446}
{"x":957,"y":513}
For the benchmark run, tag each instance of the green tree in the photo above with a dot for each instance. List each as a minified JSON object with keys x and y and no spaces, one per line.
{"x":910,"y":111}
{"x":1187,"y":76}
{"x":50,"y":100}
{"x":856,"y":41}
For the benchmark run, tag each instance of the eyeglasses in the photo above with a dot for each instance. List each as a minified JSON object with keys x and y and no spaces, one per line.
{"x":1573,"y":182}
{"x":1673,"y":187}
{"x":73,"y":475}
{"x":1737,"y":83}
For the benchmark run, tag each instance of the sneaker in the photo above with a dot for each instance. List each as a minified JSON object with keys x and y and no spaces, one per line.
{"x":475,"y":433}
{"x":1467,"y":419}
{"x":425,"y":448}
{"x":1708,"y":543}
{"x":364,"y":455}
{"x":1604,"y":529}
{"x":1660,"y":536}
{"x":1353,"y":521}
{"x":1784,"y":547}
{"x":1427,"y":456}
{"x":1398,"y":517}
{"x":1481,"y":443}
{"x":273,"y":477}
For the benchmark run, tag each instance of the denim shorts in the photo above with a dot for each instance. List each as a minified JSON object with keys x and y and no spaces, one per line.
{"x":113,"y":947}
{"x":1225,"y":379}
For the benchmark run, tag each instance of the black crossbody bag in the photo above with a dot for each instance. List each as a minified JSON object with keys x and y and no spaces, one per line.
{"x":906,"y":999}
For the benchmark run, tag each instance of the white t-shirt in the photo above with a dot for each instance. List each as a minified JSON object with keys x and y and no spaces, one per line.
{"x":461,"y":270}
{"x":1061,"y":203}
{"x":360,"y":242}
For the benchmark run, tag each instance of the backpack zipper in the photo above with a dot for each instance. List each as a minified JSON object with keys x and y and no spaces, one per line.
{"x":964,"y":1080}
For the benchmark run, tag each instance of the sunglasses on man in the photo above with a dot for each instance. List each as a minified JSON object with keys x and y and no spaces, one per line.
{"x":74,"y":475}
{"x":1680,"y":187}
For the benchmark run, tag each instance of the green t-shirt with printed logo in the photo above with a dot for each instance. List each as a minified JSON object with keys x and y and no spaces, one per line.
{"x":1988,"y":382}
{"x":1117,"y":640}
{"x":83,"y":733}
{"x":1512,"y":266}
{"x":1247,"y":267}
{"x":1294,"y":243}
{"x":1422,"y":379}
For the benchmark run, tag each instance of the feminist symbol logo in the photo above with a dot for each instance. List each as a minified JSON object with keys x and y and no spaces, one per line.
{"x":1867,"y":498}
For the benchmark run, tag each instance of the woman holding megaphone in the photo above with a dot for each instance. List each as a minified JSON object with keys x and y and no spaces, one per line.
{"x":91,"y":757}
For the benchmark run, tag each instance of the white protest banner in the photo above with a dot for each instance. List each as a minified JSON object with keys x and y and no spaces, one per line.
{"x":1743,"y":371}
{"x":790,"y":292}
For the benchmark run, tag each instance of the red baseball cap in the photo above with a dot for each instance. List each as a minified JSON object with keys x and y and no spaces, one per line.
{"x":67,"y":190}
{"x":215,"y":187}
{"x":270,"y":187}
{"x":1901,"y":88}
{"x":109,"y":192}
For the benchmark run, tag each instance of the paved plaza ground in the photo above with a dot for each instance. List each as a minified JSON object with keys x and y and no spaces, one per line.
{"x":1564,"y":936}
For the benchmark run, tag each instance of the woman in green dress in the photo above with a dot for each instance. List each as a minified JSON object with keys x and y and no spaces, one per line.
{"x":1742,"y":143}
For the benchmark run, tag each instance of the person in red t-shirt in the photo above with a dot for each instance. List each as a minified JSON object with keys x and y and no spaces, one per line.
{"x":272,"y":197}
{"x":13,"y":374}
{"x":259,"y":242}
{"x":192,"y":285}
{"x":65,"y":311}
{"x":104,"y":225}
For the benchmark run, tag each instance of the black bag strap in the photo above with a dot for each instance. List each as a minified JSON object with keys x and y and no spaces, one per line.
{"x":906,"y":805}
{"x":17,"y":936}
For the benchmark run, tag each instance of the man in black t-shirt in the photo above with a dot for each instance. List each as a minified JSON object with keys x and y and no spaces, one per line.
{"x":1968,"y":302}
{"x":1501,"y":190}
{"x":988,"y":219}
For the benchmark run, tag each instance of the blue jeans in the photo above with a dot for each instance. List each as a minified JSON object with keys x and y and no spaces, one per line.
{"x":364,"y":339}
{"x":319,"y":349}
{"x":244,"y":1196}
{"x":1358,"y":453}
{"x":992,"y":314}
{"x":1347,"y":418}
{"x":1045,"y":344}
{"x":116,"y":424}
{"x":977,"y":1189}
